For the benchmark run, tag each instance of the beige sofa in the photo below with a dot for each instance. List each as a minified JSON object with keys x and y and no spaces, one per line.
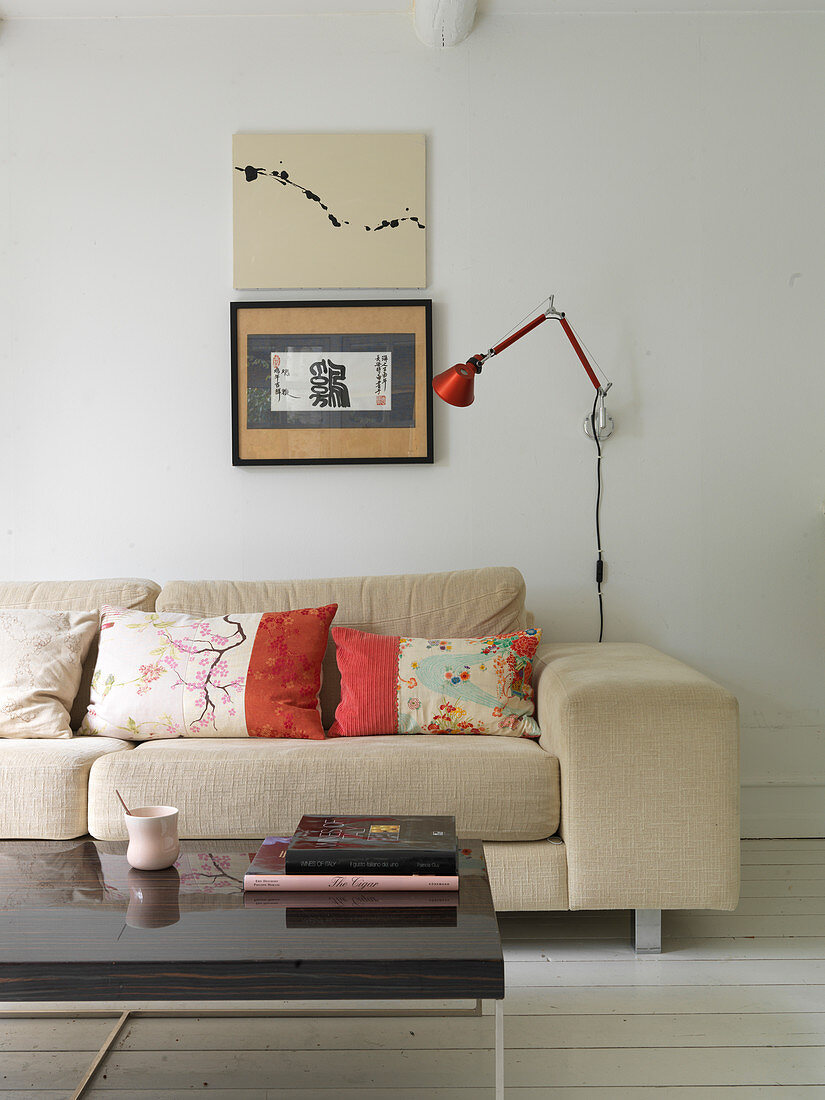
{"x":629,"y":800}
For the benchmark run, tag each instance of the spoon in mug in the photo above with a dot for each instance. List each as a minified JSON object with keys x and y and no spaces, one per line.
{"x":123,"y":804}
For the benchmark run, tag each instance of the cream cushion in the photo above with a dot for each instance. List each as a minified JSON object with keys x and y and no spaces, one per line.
{"x":44,"y":785}
{"x":80,"y":596}
{"x":498,"y":788}
{"x":469,"y":603}
{"x":41,"y":658}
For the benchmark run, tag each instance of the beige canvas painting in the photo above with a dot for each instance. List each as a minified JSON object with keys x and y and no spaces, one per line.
{"x":329,"y":210}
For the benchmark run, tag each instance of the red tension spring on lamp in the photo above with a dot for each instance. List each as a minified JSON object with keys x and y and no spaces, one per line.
{"x":456,"y":386}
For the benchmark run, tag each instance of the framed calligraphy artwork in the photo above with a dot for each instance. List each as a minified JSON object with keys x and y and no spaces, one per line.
{"x":331,"y":382}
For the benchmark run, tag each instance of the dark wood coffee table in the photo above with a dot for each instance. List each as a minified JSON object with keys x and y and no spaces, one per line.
{"x":77,"y":924}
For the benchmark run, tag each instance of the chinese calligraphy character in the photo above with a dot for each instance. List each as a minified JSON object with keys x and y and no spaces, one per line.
{"x":329,"y":390}
{"x":381,"y":361}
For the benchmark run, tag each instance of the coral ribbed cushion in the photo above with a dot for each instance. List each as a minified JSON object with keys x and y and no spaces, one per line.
{"x":423,"y":685}
{"x":369,"y":666}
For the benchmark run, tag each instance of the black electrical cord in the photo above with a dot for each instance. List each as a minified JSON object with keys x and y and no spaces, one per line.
{"x":599,"y":562}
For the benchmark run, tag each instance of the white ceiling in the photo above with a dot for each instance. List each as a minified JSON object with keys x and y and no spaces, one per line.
{"x":73,"y":9}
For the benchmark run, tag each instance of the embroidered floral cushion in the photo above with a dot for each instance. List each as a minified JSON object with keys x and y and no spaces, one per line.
{"x":41,"y":659}
{"x":167,"y":675}
{"x":420,"y":685}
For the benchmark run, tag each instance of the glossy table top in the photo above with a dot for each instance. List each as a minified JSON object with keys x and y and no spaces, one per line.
{"x":76,"y":922}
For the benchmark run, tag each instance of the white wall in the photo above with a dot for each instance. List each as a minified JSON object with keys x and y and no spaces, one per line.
{"x":663,"y":175}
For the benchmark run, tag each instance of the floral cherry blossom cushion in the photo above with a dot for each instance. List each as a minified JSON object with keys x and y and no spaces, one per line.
{"x":167,"y":675}
{"x":421,"y":685}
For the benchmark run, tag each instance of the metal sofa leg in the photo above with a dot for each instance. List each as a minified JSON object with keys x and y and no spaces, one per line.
{"x":648,"y":931}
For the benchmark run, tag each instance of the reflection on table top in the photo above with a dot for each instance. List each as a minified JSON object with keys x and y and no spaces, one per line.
{"x":79,"y":901}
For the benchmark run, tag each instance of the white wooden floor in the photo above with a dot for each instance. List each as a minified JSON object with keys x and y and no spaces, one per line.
{"x":734,"y":1008}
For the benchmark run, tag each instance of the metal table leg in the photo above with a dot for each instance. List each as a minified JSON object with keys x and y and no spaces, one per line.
{"x":499,"y":1050}
{"x":101,"y":1054}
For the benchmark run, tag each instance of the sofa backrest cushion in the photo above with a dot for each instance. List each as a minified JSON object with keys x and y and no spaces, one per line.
{"x":80,"y":596}
{"x":462,"y":604}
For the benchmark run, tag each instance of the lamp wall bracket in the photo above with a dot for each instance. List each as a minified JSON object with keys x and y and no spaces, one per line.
{"x":603,"y":433}
{"x":603,"y":422}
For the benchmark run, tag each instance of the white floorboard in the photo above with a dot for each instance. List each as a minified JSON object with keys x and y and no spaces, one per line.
{"x":733,"y":1009}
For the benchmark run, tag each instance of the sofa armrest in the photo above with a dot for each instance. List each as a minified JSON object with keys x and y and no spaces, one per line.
{"x":649,"y":755}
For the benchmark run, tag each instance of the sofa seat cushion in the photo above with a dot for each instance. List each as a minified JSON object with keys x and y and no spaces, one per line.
{"x":45,"y":784}
{"x":498,"y":788}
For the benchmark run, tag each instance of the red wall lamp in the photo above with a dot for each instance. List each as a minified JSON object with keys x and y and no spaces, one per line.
{"x":456,"y":385}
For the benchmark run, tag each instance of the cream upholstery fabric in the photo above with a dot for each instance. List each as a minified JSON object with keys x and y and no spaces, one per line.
{"x":457,"y":605}
{"x":41,"y":660}
{"x":499,"y":788}
{"x":649,"y":753}
{"x":527,"y":876}
{"x":80,"y":596}
{"x":44,"y":784}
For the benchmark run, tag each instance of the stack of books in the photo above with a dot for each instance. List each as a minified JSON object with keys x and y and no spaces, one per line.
{"x":359,"y":871}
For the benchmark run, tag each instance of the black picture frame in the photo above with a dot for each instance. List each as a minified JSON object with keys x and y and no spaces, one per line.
{"x":263,"y":436}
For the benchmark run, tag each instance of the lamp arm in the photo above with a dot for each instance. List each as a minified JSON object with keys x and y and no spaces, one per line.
{"x":518,"y":335}
{"x":578,"y":350}
{"x":550,"y":314}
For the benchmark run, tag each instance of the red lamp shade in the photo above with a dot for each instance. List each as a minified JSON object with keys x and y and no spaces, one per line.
{"x":456,"y":385}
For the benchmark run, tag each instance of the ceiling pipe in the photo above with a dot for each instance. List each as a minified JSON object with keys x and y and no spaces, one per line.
{"x":441,"y":23}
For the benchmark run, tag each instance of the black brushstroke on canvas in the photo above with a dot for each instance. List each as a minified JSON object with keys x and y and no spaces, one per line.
{"x":251,"y":174}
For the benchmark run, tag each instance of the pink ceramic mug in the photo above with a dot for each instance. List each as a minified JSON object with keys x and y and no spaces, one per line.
{"x":153,"y":837}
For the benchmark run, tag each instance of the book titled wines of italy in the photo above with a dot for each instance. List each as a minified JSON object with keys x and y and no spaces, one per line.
{"x":267,"y":872}
{"x":342,"y":844}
